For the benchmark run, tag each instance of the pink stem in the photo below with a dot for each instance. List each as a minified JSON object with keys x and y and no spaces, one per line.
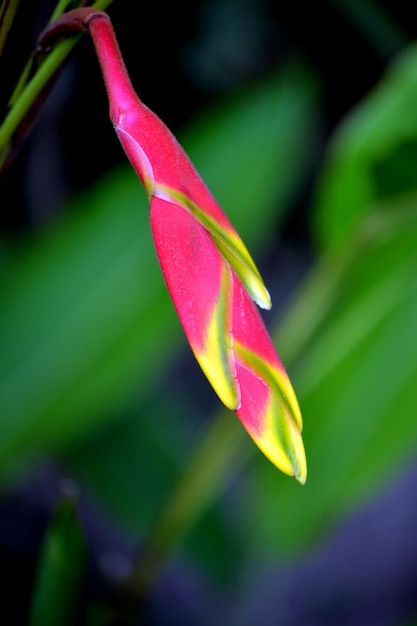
{"x":97,"y":24}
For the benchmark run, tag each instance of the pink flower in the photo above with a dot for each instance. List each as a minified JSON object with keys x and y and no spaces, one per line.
{"x":210,"y":275}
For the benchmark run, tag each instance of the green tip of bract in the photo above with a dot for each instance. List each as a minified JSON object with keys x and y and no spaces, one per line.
{"x":301,"y":478}
{"x":234,"y":251}
{"x":287,"y":455}
{"x":261,"y":296}
{"x":282,"y":443}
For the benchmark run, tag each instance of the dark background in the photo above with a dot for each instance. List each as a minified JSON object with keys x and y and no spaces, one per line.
{"x":182,"y":57}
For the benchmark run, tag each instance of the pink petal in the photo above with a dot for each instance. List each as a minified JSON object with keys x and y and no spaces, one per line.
{"x":199,"y":281}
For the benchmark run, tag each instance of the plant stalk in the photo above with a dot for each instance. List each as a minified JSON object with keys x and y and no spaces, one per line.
{"x":215,"y":457}
{"x":7,"y":12}
{"x":31,"y":96}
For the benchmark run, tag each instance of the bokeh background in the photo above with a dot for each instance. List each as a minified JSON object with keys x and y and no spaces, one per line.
{"x":301,"y":117}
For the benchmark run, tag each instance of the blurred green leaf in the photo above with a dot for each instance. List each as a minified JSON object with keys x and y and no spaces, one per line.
{"x":61,"y":569}
{"x":356,"y":382}
{"x":85,"y":320}
{"x":372,"y":156}
{"x":133,"y":463}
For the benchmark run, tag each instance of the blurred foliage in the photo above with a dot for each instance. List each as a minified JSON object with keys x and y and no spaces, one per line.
{"x":61,"y":569}
{"x":373,"y":151}
{"x":348,"y":335}
{"x":92,"y":367}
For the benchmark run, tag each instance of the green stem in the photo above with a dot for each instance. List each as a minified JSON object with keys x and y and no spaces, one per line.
{"x":30,"y":93}
{"x":211,"y":462}
{"x":7,"y":13}
{"x":60,"y":8}
{"x":22,"y":103}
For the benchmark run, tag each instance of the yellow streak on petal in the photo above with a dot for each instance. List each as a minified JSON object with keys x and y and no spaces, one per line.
{"x":276,"y":379}
{"x":216,"y":360}
{"x":237,"y":255}
{"x":228,"y":243}
{"x":281,"y":422}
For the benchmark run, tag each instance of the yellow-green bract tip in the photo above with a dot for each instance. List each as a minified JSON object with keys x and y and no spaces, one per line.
{"x":284,"y":448}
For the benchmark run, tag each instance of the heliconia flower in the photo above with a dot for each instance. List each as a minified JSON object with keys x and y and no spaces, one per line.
{"x":210,"y":275}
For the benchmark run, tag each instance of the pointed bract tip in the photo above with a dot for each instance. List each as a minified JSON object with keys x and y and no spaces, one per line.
{"x":263,"y":298}
{"x":281,"y":441}
{"x":287,"y":455}
{"x":301,"y":475}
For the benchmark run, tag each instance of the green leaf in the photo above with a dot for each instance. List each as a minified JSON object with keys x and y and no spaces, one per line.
{"x":372,"y":155}
{"x":83,"y":321}
{"x":61,"y":569}
{"x":355,"y":380}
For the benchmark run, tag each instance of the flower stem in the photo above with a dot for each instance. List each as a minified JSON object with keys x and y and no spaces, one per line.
{"x":211,"y":461}
{"x":7,"y":13}
{"x":26,"y":97}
